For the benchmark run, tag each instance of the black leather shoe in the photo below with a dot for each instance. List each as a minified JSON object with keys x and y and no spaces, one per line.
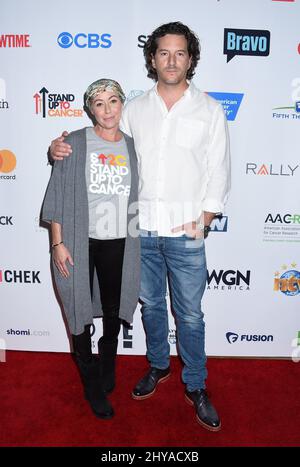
{"x":206,"y":413}
{"x":146,"y":386}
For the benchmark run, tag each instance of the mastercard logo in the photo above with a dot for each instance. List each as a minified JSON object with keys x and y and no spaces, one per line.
{"x":8,"y":161}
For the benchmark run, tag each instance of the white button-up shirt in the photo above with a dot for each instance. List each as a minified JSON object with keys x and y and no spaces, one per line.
{"x":183,"y":157}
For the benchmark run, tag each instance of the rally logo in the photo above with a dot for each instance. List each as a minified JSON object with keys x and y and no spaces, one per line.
{"x":55,"y":104}
{"x":8,"y":163}
{"x":82,"y":40}
{"x":230,"y":101}
{"x":285,"y":170}
{"x":287,"y":282}
{"x":246,"y":42}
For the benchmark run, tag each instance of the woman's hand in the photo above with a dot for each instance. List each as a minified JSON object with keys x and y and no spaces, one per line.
{"x":61,"y":255}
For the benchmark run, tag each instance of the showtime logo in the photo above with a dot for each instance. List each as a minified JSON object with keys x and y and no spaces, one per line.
{"x":19,"y":277}
{"x":233,"y":337}
{"x":14,"y":40}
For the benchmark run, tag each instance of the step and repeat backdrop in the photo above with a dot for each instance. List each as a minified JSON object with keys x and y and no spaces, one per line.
{"x":250,"y":62}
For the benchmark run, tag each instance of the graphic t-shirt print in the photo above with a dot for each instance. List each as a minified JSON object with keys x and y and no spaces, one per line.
{"x":108,"y":174}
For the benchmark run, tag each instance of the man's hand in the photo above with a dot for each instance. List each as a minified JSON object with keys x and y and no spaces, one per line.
{"x":59,"y":149}
{"x":191,"y":229}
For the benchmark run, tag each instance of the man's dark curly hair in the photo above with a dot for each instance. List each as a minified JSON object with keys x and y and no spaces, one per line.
{"x":178,"y":28}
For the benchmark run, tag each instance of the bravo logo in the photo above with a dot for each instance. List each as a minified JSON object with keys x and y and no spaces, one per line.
{"x":246,"y":42}
{"x":81,"y":40}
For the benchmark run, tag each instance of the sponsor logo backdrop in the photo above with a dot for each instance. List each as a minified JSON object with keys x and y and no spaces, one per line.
{"x":250,"y":64}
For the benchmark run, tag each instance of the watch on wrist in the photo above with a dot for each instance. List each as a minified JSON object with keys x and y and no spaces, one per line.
{"x":206,"y":230}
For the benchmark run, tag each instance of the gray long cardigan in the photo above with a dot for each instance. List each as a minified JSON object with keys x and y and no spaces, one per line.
{"x":66,"y":203}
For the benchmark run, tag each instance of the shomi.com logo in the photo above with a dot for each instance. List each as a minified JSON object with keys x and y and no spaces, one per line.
{"x":246,"y":42}
{"x":8,"y":163}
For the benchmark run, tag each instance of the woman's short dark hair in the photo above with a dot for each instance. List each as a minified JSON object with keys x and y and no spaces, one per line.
{"x":180,"y":29}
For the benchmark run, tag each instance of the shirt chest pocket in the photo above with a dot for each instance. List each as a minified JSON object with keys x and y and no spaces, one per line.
{"x":190,"y":134}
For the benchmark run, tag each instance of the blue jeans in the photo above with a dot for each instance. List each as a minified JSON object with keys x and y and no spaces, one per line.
{"x":183,"y":260}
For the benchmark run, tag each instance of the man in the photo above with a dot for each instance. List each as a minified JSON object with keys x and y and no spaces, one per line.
{"x":181,"y":141}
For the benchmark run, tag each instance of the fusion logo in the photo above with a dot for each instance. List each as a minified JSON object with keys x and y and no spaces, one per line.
{"x":14,"y":40}
{"x":172,"y":336}
{"x":246,"y":42}
{"x":8,"y":163}
{"x":228,"y":280}
{"x":142,"y":39}
{"x":55,"y":104}
{"x":82,"y":40}
{"x":233,"y":337}
{"x":282,"y":227}
{"x":270,"y":169}
{"x":230,"y":101}
{"x":219,"y":224}
{"x":6,"y":220}
{"x":127,"y":336}
{"x":20,"y":277}
{"x":288,"y":282}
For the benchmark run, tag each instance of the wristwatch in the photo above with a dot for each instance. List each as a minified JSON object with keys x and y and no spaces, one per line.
{"x":206,"y":230}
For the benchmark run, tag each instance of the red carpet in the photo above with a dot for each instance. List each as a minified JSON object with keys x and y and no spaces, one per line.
{"x":42,"y":405}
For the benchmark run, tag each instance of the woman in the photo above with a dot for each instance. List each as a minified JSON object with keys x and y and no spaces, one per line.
{"x":87,"y":201}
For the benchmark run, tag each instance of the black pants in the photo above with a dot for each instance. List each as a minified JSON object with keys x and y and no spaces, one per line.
{"x":106,"y":258}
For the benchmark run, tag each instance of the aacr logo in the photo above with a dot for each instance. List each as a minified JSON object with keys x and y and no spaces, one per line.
{"x":246,"y":42}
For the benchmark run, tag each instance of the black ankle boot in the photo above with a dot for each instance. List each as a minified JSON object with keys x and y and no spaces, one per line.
{"x":107,"y":353}
{"x":94,"y":393}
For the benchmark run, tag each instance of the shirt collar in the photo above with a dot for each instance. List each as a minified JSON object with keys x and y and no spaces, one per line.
{"x":189,"y":92}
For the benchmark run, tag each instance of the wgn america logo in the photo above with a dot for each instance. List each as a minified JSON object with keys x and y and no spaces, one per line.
{"x":3,"y":102}
{"x":219,"y":224}
{"x":228,"y":280}
{"x":246,"y":42}
{"x":232,"y":337}
{"x":230,"y":101}
{"x":288,"y":282}
{"x":82,"y":40}
{"x":281,"y":170}
{"x":290,"y":112}
{"x":55,"y":104}
{"x":282,"y":227}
